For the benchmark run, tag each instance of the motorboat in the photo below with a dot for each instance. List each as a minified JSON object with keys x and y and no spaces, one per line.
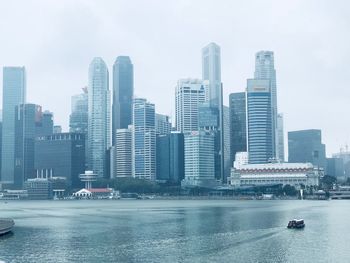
{"x":6,"y":225}
{"x":296,"y":223}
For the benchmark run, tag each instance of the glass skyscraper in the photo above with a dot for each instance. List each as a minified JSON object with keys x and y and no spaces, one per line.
{"x":123,"y":92}
{"x":144,"y":140}
{"x":14,"y":94}
{"x":260,"y":127}
{"x":98,"y":117}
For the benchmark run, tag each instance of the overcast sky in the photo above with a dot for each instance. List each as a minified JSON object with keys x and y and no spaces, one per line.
{"x":56,"y":40}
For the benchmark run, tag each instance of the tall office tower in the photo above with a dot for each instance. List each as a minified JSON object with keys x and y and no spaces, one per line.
{"x":98,"y":117}
{"x":123,"y":92}
{"x":306,"y":146}
{"x":265,"y":69}
{"x":121,"y":159}
{"x":78,"y":119}
{"x":280,"y":136}
{"x":260,"y":127}
{"x":60,"y":155}
{"x":170,"y":157}
{"x":144,"y":140}
{"x":163,"y":124}
{"x":189,"y":94}
{"x":227,"y":141}
{"x":211,"y":72}
{"x":14,"y":94}
{"x":45,"y":126}
{"x":238,"y":124}
{"x":199,"y":159}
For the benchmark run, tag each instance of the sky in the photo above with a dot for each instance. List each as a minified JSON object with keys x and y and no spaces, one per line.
{"x":56,"y":41}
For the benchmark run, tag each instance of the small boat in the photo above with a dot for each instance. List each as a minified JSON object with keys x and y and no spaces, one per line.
{"x":296,"y":223}
{"x":6,"y":225}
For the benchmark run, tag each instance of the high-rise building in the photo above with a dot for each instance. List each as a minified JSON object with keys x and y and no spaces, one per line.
{"x":227,"y":141}
{"x":144,"y":140}
{"x":121,"y":159}
{"x":280,"y":137}
{"x":30,"y":122}
{"x":78,"y":119}
{"x":306,"y":146}
{"x":99,"y":119}
{"x":199,"y":159}
{"x":170,"y":157}
{"x":189,"y":94}
{"x":57,"y":129}
{"x":60,"y":155}
{"x":163,"y":124}
{"x":211,"y":72}
{"x":265,"y":69}
{"x":259,"y":118}
{"x":123,"y":92}
{"x":238,"y":123}
{"x":14,"y":94}
{"x":335,"y":167}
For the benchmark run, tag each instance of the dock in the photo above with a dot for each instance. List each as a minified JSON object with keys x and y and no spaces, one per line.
{"x":6,"y":225}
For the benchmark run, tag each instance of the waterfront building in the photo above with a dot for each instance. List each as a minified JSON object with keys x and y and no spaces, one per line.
{"x":265,"y":69}
{"x":241,"y":158}
{"x":121,"y":157}
{"x":307,"y":146}
{"x":294,"y":174}
{"x":60,"y":155}
{"x":280,"y":138}
{"x":39,"y":188}
{"x":199,"y":160}
{"x":344,"y":154}
{"x":144,"y":140}
{"x":99,"y":119}
{"x":123,"y":92}
{"x":170,"y":157}
{"x":335,"y":167}
{"x":238,"y":123}
{"x":163,"y":124}
{"x":189,"y":94}
{"x":14,"y":94}
{"x":259,"y":118}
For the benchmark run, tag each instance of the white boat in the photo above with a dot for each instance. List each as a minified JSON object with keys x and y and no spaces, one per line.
{"x":6,"y":225}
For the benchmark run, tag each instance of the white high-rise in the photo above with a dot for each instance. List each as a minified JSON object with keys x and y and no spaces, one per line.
{"x":99,"y":116}
{"x":189,"y":94}
{"x":121,"y":159}
{"x":280,"y":136}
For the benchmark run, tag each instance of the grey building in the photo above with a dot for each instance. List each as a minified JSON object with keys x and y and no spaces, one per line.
{"x":99,"y":119}
{"x":306,"y":146}
{"x":227,"y":142}
{"x":238,"y":124}
{"x":259,"y":119}
{"x":170,"y":157}
{"x":39,"y":188}
{"x":144,"y":140}
{"x":14,"y":94}
{"x":335,"y":167}
{"x":78,"y":119}
{"x":121,"y":158}
{"x":123,"y":92}
{"x":163,"y":124}
{"x":280,"y":137}
{"x":60,"y":155}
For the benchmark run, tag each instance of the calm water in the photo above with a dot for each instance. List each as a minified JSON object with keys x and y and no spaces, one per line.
{"x":175,"y":231}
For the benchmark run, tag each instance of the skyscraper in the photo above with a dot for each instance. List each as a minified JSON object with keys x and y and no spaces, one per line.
{"x":122,"y":154}
{"x":78,"y":119}
{"x":14,"y":94}
{"x":98,"y":117}
{"x":265,"y":69}
{"x":123,"y":92}
{"x":260,"y":128}
{"x":163,"y":124}
{"x":280,"y":136}
{"x":227,"y":141}
{"x":211,"y":72}
{"x":144,"y":140}
{"x":189,"y":94}
{"x":306,"y":146}
{"x":238,"y":124}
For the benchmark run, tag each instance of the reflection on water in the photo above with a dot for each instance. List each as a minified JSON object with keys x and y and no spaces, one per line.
{"x":175,"y":231}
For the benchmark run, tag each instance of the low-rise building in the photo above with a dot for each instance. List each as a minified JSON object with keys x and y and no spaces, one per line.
{"x":39,"y":188}
{"x":294,"y":174}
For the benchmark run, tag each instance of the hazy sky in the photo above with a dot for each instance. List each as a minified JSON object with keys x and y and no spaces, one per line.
{"x":56,"y":40}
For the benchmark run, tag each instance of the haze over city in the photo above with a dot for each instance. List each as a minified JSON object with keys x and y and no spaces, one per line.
{"x":56,"y":41}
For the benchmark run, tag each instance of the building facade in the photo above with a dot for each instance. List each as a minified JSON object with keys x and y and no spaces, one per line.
{"x":14,"y":94}
{"x":99,"y":119}
{"x":122,"y":154}
{"x":144,"y":140}
{"x":123,"y":92}
{"x":227,"y":142}
{"x":280,"y":138}
{"x":189,"y":94}
{"x":259,"y":119}
{"x":163,"y":124}
{"x":307,"y":146}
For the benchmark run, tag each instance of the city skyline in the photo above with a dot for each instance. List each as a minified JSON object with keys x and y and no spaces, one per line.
{"x":313,"y":66}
